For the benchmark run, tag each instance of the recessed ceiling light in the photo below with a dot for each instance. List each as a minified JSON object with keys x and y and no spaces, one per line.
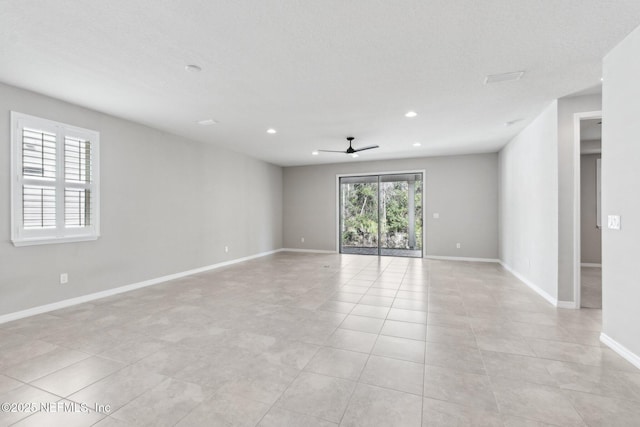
{"x":271,"y":131}
{"x":193,"y":68}
{"x":416,"y":144}
{"x":411,"y":114}
{"x":207,"y":122}
{"x":354,"y":155}
{"x":315,"y":153}
{"x":504,"y":77}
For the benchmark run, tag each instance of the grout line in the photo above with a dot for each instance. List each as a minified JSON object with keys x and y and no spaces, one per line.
{"x":289,"y":385}
{"x":357,"y":381}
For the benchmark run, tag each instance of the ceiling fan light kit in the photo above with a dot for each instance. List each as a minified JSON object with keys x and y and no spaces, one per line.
{"x":351,"y":151}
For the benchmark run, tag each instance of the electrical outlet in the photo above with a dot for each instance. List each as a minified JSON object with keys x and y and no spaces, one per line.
{"x":64,"y":278}
{"x":226,"y":248}
{"x":302,"y":239}
{"x":458,"y":245}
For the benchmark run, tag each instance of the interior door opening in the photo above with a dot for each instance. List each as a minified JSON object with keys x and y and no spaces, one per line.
{"x":382,"y":214}
{"x":589,"y":213}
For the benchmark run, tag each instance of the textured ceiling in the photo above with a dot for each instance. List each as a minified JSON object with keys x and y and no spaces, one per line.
{"x":317,"y":71}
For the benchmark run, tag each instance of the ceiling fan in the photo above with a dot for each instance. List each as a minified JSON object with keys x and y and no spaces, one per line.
{"x":352,"y":151}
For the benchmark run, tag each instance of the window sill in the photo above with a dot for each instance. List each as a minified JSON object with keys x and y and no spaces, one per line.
{"x":52,"y":240}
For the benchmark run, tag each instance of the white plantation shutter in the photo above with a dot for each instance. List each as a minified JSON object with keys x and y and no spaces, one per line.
{"x":55,"y":174}
{"x":38,"y":207}
{"x":38,"y":153}
{"x":77,"y":173}
{"x":38,"y":169}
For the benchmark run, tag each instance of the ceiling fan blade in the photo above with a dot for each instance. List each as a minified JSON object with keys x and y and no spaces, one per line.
{"x":367,"y":148}
{"x":332,"y":151}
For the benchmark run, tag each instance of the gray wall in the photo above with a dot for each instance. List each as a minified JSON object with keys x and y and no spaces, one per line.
{"x":591,"y":146}
{"x":590,"y":235}
{"x":462,"y":189}
{"x":620,"y":178}
{"x":529,"y":202}
{"x":567,"y":107}
{"x":167,"y":205}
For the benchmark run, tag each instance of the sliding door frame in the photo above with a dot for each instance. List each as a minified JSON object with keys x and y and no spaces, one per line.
{"x":402,"y":172}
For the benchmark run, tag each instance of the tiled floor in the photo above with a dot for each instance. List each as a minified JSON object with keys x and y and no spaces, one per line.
{"x":321,"y":340}
{"x":413,"y":253}
{"x":591,"y":287}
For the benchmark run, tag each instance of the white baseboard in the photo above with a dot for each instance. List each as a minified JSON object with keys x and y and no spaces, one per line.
{"x":623,"y":351}
{"x":310,"y":251}
{"x":109,"y":292}
{"x":533,"y":286}
{"x":567,"y":304}
{"x":590,"y":264}
{"x":457,"y":258}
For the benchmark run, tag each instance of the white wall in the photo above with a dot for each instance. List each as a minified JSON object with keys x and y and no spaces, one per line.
{"x":620,"y":178}
{"x":462,"y":189}
{"x":567,"y":107}
{"x":529,"y":203}
{"x":167,"y":205}
{"x":590,"y":234}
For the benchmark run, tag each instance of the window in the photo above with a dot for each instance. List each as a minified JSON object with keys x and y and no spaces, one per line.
{"x":54,"y":182}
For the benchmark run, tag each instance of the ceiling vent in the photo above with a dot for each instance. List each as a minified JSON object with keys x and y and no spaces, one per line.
{"x":512,"y":122}
{"x":504,"y":77}
{"x":207,"y":122}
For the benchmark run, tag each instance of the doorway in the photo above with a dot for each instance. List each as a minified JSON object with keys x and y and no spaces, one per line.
{"x":588,"y":232}
{"x":381,"y":214}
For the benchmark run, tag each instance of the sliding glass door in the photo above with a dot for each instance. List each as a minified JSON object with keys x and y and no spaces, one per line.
{"x":359,"y":215}
{"x":381,"y":215}
{"x":401,"y":215}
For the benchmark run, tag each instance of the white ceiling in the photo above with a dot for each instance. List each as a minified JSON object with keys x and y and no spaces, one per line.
{"x":317,"y":71}
{"x":591,"y":130}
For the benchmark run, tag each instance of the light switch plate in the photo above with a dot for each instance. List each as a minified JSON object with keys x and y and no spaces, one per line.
{"x":436,"y":215}
{"x":613,"y":222}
